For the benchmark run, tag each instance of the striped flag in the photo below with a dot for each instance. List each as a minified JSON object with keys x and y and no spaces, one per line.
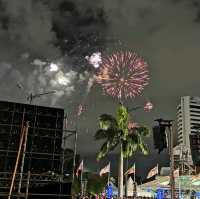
{"x":80,"y":168}
{"x":176,"y":173}
{"x":153,"y":172}
{"x":196,"y":177}
{"x":130,"y":170}
{"x":106,"y":169}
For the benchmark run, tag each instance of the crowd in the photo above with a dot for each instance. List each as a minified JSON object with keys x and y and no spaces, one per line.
{"x":103,"y":197}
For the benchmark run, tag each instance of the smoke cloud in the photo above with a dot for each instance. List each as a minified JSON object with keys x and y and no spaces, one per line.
{"x":37,"y":34}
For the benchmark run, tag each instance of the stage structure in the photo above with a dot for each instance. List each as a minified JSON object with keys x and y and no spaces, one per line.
{"x":41,"y":174}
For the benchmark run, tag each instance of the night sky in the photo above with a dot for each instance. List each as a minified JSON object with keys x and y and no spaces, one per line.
{"x":36,"y":33}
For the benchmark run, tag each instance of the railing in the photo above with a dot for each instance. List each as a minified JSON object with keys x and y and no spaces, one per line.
{"x":30,"y":182}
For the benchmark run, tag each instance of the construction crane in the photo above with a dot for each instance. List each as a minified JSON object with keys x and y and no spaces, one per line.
{"x":30,"y":96}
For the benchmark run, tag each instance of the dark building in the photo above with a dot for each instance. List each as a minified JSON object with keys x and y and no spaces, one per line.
{"x":195,"y":148}
{"x":43,"y":157}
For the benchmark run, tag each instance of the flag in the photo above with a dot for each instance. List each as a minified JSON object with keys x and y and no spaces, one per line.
{"x":176,"y":173}
{"x":80,"y":110}
{"x":196,"y":177}
{"x":80,"y":168}
{"x":106,"y":169}
{"x":153,"y":172}
{"x":130,"y":170}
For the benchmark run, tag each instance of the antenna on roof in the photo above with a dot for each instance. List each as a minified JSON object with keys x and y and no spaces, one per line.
{"x":30,"y":96}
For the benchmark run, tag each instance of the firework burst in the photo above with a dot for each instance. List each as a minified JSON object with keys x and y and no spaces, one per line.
{"x":123,"y":74}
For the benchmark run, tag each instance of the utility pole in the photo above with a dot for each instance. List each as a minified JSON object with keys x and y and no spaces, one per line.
{"x":74,"y":158}
{"x":126,"y":179}
{"x":168,"y":124}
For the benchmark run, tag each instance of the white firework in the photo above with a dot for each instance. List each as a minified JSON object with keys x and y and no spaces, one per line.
{"x":95,"y":59}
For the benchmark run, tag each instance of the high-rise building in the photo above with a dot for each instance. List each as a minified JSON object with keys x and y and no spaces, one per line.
{"x":188,"y":121}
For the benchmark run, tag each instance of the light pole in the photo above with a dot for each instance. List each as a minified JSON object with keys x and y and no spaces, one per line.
{"x":168,"y":124}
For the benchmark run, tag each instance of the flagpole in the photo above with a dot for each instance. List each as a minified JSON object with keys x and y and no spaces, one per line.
{"x":126,"y":178}
{"x":135,"y":186}
{"x":82,"y":182}
{"x":179,"y":186}
{"x":157,"y":169}
{"x":134,"y":173}
{"x":109,"y":176}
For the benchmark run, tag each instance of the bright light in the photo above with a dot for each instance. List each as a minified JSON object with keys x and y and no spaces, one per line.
{"x":95,"y":59}
{"x":53,"y":67}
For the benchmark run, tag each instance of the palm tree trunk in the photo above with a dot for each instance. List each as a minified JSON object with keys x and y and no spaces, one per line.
{"x":120,"y":176}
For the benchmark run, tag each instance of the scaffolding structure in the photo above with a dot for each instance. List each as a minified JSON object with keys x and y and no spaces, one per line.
{"x":42,"y":167}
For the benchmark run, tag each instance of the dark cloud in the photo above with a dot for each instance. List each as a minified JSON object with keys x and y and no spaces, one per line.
{"x":50,"y":31}
{"x":28,"y":26}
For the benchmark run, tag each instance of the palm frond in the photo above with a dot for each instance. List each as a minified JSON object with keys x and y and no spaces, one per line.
{"x":129,"y":146}
{"x":103,"y":151}
{"x":107,"y":121}
{"x":122,"y":118}
{"x":144,"y":131}
{"x":143,"y":147}
{"x":114,"y":144}
{"x":101,"y":134}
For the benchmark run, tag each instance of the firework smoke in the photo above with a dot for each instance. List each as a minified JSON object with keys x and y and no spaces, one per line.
{"x":48,"y":76}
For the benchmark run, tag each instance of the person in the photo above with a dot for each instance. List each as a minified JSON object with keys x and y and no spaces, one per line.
{"x":96,"y":196}
{"x":109,"y":191}
{"x":93,"y":197}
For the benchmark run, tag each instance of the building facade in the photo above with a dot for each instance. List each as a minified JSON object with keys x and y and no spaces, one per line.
{"x":188,"y":122}
{"x":43,"y":154}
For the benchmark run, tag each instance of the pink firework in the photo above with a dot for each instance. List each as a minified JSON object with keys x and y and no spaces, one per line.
{"x":148,"y":106}
{"x":123,"y":74}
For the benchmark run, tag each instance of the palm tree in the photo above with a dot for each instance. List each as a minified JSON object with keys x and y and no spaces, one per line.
{"x":116,"y":131}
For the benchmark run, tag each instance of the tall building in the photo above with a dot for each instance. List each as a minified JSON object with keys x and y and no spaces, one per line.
{"x":43,"y":155}
{"x":188,"y":121}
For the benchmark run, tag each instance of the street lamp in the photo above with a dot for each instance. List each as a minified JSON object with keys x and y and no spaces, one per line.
{"x":69,"y":134}
{"x":168,"y":124}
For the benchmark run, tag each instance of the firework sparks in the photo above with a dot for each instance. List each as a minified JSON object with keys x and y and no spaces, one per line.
{"x":123,"y":74}
{"x":148,"y":106}
{"x":133,"y":125}
{"x":95,"y":59}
